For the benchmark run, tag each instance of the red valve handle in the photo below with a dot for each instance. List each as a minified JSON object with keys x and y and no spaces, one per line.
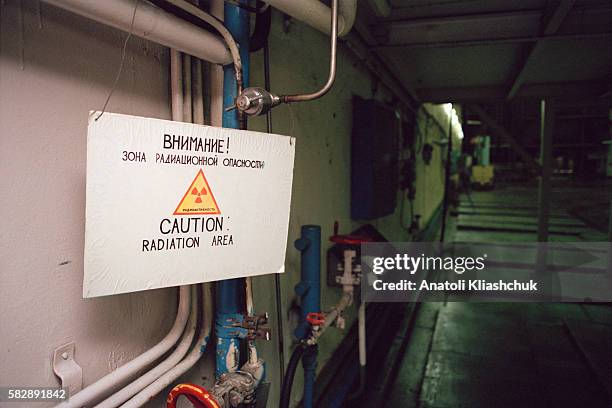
{"x":349,"y":239}
{"x":199,"y":397}
{"x":315,"y":318}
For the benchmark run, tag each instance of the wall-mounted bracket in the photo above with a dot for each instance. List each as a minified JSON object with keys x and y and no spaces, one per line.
{"x":67,"y":369}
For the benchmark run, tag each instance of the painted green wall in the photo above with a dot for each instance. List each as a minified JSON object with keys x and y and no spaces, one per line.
{"x":321,"y":187}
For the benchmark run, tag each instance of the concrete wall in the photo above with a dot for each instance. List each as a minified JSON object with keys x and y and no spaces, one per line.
{"x":54,"y":68}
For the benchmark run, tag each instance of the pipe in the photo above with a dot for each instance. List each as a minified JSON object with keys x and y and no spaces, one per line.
{"x":198,"y":93}
{"x":164,"y":374}
{"x":236,"y":52}
{"x":153,"y":24}
{"x":230,"y":292}
{"x":250,"y":308}
{"x":277,"y":276}
{"x":188,"y":362}
{"x":128,"y":370}
{"x":361,"y":316}
{"x":317,"y":15}
{"x":309,"y":290}
{"x":336,"y":393}
{"x":361,"y":334}
{"x":332,"y":63}
{"x":125,"y":372}
{"x":176,"y":87}
{"x":309,"y":363}
{"x":144,"y":380}
{"x":257,"y":101}
{"x":253,"y":365}
{"x":345,"y":301}
{"x":187,"y":103}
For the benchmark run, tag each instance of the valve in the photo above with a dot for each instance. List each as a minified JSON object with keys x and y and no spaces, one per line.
{"x":315,"y":319}
{"x":238,"y":388}
{"x":354,"y":240}
{"x":255,"y":101}
{"x":235,"y":388}
{"x":244,"y":327}
{"x":198,"y":396}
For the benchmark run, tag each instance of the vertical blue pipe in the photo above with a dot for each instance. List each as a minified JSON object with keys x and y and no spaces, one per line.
{"x":230,"y":292}
{"x":309,"y":290}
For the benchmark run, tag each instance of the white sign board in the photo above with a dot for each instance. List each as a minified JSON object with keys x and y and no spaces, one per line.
{"x":172,"y":203}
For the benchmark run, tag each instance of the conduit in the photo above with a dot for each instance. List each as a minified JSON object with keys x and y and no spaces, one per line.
{"x":361,"y":334}
{"x":188,"y":362}
{"x":173,"y":359}
{"x":176,"y":85}
{"x":127,"y":371}
{"x":187,"y":102}
{"x":221,"y":29}
{"x":98,"y":389}
{"x":296,"y":356}
{"x":317,"y":15}
{"x":197,"y":91}
{"x":257,"y":101}
{"x":345,"y":301}
{"x":152,"y":23}
{"x":186,"y":94}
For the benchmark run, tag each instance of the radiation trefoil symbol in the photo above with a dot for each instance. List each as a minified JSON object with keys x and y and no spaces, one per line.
{"x":198,"y":199}
{"x":199,"y":194}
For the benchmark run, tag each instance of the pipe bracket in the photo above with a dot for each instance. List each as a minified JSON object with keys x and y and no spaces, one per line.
{"x":67,"y":369}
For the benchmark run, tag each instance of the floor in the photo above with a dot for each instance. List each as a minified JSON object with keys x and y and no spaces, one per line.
{"x":512,"y":354}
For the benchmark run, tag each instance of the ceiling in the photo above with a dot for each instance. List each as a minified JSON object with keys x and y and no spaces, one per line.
{"x":478,"y":50}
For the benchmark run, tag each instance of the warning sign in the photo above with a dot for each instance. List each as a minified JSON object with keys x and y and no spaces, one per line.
{"x":171,"y":203}
{"x":198,"y":199}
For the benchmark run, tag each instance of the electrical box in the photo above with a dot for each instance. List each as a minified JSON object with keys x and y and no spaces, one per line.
{"x":374,"y":160}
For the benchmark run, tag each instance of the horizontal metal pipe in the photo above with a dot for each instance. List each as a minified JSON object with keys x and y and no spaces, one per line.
{"x":152,"y":23}
{"x":317,"y":15}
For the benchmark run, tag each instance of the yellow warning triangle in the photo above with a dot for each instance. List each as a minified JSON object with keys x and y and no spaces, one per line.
{"x":198,"y":199}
